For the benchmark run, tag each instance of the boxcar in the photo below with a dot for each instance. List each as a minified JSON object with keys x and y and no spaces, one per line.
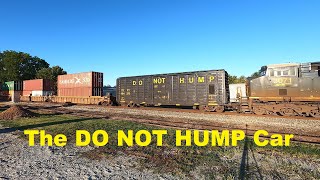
{"x":197,"y":89}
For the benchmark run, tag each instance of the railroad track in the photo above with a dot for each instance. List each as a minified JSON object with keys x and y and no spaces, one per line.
{"x":184,"y":110}
{"x":176,"y":123}
{"x":200,"y":112}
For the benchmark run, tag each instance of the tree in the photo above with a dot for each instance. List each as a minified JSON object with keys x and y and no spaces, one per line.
{"x":258,"y":73}
{"x":236,"y":80}
{"x":18,"y":66}
{"x":51,"y":73}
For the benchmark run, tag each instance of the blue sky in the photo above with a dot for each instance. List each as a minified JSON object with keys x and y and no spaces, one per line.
{"x":126,"y":38}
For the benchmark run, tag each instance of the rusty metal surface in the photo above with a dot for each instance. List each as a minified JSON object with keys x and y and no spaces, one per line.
{"x":86,"y":79}
{"x":38,"y":84}
{"x":81,"y":84}
{"x":185,"y":89}
{"x":83,"y":91}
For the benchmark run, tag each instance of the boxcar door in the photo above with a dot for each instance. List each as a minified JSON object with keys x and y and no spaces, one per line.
{"x":201,"y":89}
{"x":160,"y":93}
{"x":212,"y":88}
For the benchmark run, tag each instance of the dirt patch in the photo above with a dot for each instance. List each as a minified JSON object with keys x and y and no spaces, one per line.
{"x":15,"y":112}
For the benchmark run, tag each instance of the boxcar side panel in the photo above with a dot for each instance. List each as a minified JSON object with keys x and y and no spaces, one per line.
{"x":190,"y":88}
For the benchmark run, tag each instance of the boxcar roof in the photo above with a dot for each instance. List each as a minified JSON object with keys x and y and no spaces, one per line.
{"x":189,"y":72}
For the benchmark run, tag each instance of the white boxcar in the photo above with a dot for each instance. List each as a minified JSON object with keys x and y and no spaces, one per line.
{"x":236,"y":91}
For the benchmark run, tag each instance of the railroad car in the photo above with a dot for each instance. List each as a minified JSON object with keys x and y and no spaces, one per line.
{"x":237,"y":91}
{"x":287,"y":89}
{"x":199,"y":89}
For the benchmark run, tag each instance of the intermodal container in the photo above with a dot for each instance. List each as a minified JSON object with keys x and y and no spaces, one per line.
{"x":37,"y":87}
{"x":10,"y":93}
{"x":185,"y":89}
{"x":15,"y":96}
{"x":237,"y":91}
{"x":38,"y":93}
{"x":38,"y":84}
{"x":12,"y":86}
{"x":81,"y":84}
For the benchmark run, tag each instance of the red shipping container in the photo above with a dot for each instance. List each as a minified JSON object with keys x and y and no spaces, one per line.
{"x":80,"y":84}
{"x":87,"y":79}
{"x":26,"y":93}
{"x":38,"y":85}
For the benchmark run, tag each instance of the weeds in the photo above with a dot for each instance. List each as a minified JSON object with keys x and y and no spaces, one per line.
{"x":208,"y":162}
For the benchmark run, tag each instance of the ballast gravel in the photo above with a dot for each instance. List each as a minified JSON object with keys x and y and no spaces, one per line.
{"x":292,"y":125}
{"x":19,"y":161}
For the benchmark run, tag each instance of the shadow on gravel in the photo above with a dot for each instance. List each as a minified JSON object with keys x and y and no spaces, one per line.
{"x":21,"y":128}
{"x":3,"y":108}
{"x":41,"y":107}
{"x":244,"y":172}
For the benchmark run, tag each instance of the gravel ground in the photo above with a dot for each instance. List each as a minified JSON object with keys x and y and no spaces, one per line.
{"x":306,"y":126}
{"x":19,"y":161}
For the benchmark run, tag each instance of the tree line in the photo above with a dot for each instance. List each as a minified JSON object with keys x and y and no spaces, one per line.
{"x":19,"y":66}
{"x":243,"y":79}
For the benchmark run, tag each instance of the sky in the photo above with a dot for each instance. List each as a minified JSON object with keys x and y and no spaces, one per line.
{"x":140,"y":37}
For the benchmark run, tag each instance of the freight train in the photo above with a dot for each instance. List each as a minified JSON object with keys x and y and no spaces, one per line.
{"x":285,"y":89}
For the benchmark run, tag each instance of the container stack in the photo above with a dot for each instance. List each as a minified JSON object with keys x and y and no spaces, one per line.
{"x":81,"y":84}
{"x":38,"y":87}
{"x":2,"y":98}
{"x":12,"y":90}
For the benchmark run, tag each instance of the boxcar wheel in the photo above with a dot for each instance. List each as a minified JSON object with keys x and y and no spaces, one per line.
{"x":287,"y":112}
{"x":104,"y":103}
{"x":208,"y":108}
{"x":315,"y":113}
{"x":259,"y":111}
{"x":130,"y":105}
{"x":220,"y":109}
{"x":201,"y":108}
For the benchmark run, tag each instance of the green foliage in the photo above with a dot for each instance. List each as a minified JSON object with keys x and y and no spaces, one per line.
{"x":236,"y":80}
{"x":243,"y":79}
{"x":18,"y":66}
{"x":258,"y":73}
{"x":51,"y":73}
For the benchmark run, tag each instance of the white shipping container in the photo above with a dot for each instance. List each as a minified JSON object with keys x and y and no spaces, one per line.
{"x":237,"y":90}
{"x":42,"y":93}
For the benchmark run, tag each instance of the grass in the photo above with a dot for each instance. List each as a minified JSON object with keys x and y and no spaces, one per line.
{"x":209,"y":162}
